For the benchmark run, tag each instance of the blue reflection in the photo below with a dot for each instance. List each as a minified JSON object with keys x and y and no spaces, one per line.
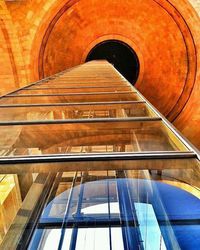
{"x":150,"y":214}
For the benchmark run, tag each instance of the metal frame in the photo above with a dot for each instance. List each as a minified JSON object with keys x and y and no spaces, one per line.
{"x":69,"y":104}
{"x":97,"y":157}
{"x":75,"y":87}
{"x":84,"y":120}
{"x":66,"y":214}
{"x":74,"y":94}
{"x":104,"y":223}
{"x":131,"y":235}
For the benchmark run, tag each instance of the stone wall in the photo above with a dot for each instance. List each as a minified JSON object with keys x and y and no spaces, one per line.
{"x":12,"y":72}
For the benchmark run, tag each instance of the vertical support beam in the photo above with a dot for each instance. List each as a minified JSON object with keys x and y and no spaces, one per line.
{"x":130,"y":232}
{"x":25,"y":181}
{"x":67,"y":213}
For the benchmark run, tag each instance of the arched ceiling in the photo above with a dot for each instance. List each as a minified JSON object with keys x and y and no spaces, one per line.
{"x":157,"y":35}
{"x":165,"y":35}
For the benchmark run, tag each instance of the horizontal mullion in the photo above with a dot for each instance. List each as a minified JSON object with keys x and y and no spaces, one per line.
{"x":150,"y":155}
{"x":75,"y":87}
{"x":64,"y":79}
{"x":74,"y":94}
{"x":76,"y":74}
{"x":67,"y":104}
{"x":88,"y":221}
{"x":82,"y":85}
{"x":83,"y":81}
{"x":93,"y":222}
{"x":88,"y":120}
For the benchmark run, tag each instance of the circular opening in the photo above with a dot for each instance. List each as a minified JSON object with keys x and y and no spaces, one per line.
{"x":120,"y":55}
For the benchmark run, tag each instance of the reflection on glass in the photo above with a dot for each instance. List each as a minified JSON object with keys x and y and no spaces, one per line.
{"x":149,"y":227}
{"x":97,"y":214}
{"x":87,"y":138}
{"x":69,"y":99}
{"x":75,"y":112}
{"x":88,"y":210}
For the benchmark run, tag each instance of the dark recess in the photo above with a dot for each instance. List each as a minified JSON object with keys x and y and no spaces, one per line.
{"x":120,"y":55}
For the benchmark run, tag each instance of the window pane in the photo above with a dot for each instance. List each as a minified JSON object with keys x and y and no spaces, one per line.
{"x":117,"y":110}
{"x":98,"y":137}
{"x":93,"y":239}
{"x":68,"y":98}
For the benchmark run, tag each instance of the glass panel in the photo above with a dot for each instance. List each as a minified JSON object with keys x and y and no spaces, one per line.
{"x":34,"y":91}
{"x":75,"y":112}
{"x":153,"y":209}
{"x":149,"y":227}
{"x":85,"y":137}
{"x":50,"y":239}
{"x":116,"y":238}
{"x":68,"y":98}
{"x":93,"y":239}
